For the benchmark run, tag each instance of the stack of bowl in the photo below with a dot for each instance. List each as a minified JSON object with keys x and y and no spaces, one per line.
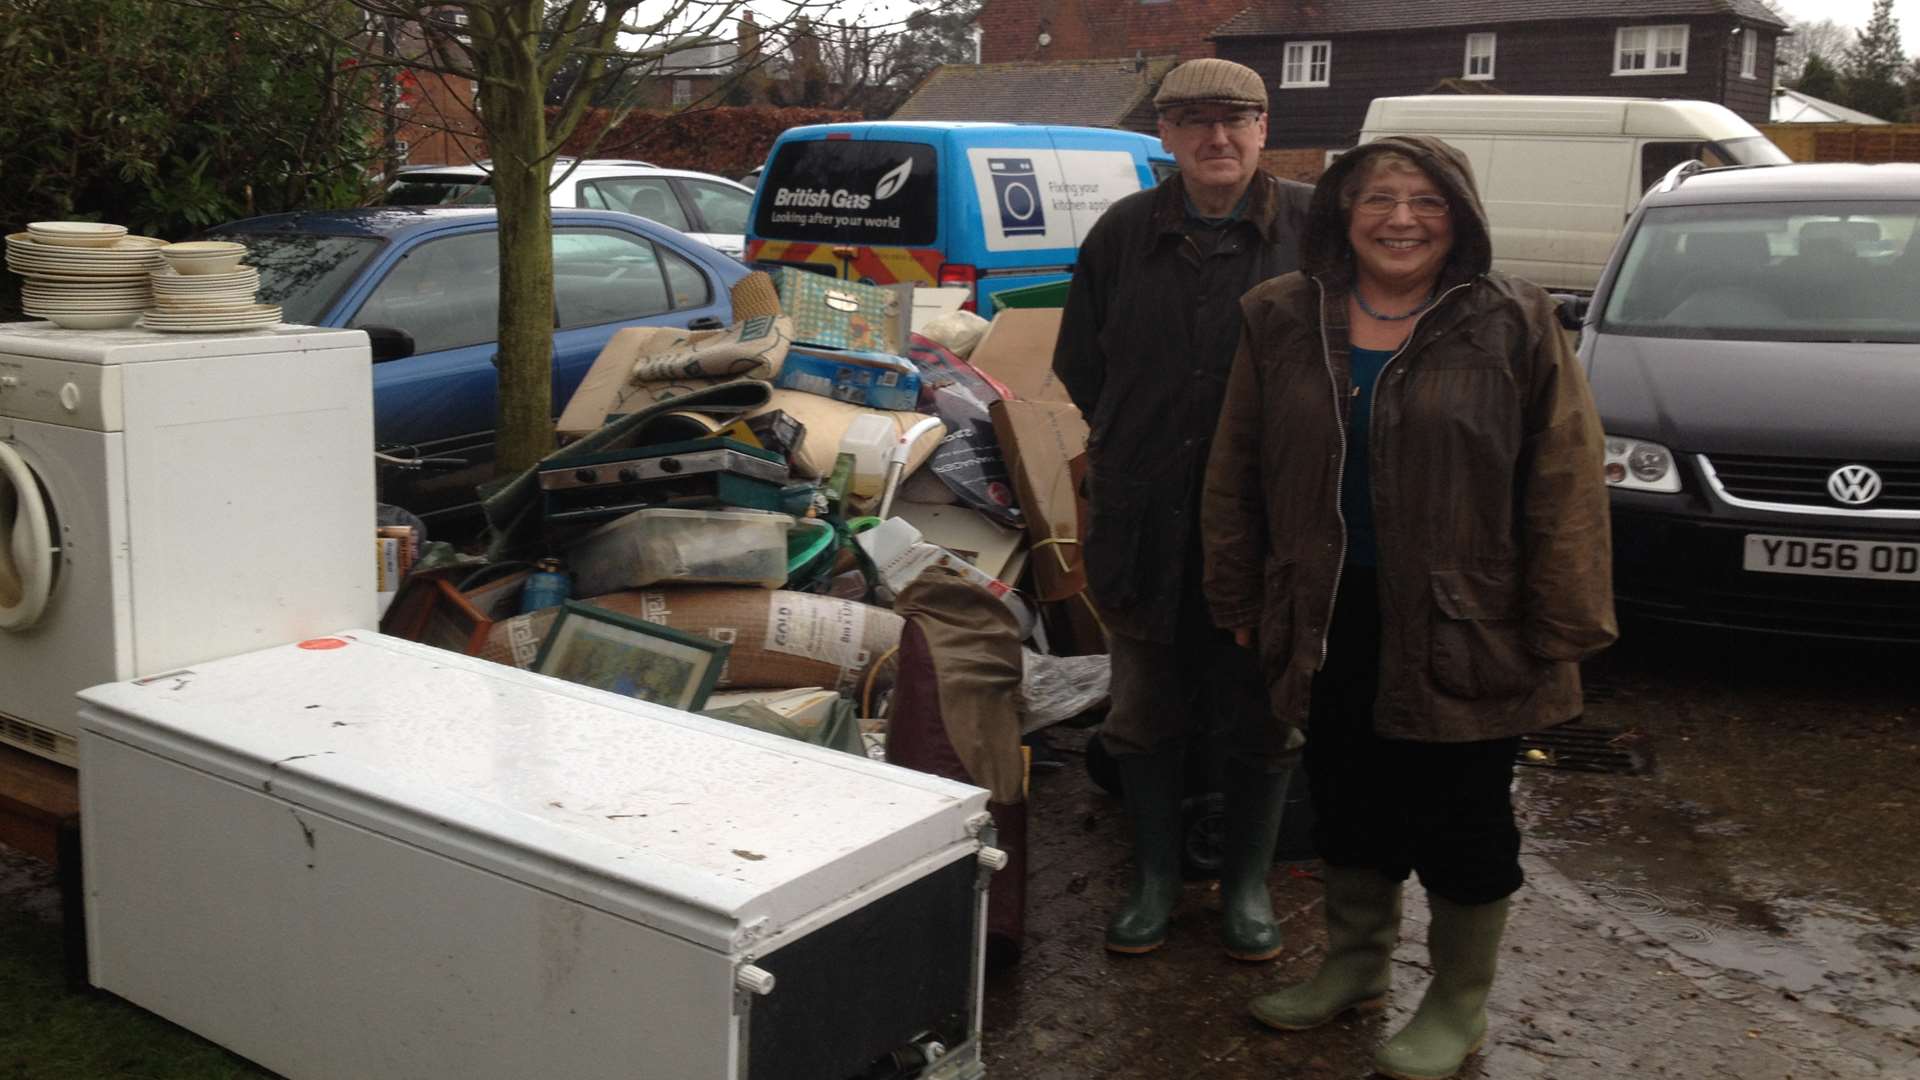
{"x":83,"y":275}
{"x":204,"y":287}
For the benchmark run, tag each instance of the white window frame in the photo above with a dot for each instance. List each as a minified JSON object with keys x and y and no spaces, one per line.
{"x":1300,"y":59}
{"x":1749,"y":54}
{"x":1648,"y":43}
{"x":1490,"y":44}
{"x":683,"y":91}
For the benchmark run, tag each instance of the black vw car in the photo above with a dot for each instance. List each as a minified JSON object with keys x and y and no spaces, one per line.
{"x":1754,"y":348}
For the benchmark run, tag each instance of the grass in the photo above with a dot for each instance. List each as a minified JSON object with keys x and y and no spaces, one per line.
{"x":49,"y":1031}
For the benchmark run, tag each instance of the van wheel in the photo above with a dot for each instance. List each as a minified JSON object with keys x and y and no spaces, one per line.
{"x":1203,"y":835}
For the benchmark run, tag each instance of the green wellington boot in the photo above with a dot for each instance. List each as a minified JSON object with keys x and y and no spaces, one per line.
{"x":1151,"y":785}
{"x":1463,"y":943}
{"x":1256,"y":801}
{"x":1363,"y":922}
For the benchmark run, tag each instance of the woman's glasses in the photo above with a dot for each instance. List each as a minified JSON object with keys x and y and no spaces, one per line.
{"x":1380,"y":204}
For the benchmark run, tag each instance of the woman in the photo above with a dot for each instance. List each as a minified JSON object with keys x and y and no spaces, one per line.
{"x":1406,"y":515}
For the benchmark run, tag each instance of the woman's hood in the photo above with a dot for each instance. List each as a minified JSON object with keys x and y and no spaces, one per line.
{"x":1326,"y":250}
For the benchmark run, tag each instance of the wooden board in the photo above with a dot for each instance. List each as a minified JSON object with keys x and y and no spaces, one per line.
{"x":36,"y":795}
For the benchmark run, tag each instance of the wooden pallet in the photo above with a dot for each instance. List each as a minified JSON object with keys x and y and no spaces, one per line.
{"x":36,"y":797}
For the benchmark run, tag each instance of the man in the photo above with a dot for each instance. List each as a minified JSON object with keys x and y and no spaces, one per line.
{"x":1146,"y":343}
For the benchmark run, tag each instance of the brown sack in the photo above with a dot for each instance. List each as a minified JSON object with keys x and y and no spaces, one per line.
{"x":957,"y":712}
{"x":779,"y":638}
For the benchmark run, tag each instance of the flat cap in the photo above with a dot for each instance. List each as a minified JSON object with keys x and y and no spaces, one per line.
{"x":1211,"y":81}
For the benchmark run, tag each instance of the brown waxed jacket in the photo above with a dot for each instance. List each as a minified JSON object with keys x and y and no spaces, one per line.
{"x":1146,"y":342}
{"x":1486,"y":473}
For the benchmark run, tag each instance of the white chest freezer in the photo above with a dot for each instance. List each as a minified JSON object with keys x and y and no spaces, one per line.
{"x":360,"y":857}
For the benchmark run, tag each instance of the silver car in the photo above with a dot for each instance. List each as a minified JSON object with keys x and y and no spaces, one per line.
{"x":711,"y":209}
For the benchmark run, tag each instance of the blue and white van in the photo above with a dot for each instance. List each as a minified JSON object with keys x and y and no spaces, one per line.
{"x":984,"y":206}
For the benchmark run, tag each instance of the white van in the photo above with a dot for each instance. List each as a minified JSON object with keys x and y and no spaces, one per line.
{"x":1559,"y":175}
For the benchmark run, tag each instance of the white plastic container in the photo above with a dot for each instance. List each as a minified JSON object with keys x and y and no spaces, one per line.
{"x":870,"y":438}
{"x":712,"y":547}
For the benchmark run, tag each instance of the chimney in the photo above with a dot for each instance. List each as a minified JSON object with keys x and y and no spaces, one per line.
{"x":806,"y":44}
{"x":749,"y":45}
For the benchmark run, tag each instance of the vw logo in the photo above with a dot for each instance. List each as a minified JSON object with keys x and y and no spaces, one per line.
{"x":1854,"y":485}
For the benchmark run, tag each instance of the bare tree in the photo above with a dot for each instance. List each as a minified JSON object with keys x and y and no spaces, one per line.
{"x":1825,"y":38}
{"x":515,"y":50}
{"x":874,"y":66}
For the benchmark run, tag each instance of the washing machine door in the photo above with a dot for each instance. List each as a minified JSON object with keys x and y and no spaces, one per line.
{"x":27,"y":545}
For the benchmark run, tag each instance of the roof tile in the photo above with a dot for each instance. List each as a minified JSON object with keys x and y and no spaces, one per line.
{"x":1094,"y":93}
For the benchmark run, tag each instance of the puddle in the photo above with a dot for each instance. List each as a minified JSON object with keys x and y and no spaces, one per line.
{"x":1686,"y":876}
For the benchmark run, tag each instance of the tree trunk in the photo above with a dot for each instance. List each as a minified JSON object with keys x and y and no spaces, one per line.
{"x":517,"y":138}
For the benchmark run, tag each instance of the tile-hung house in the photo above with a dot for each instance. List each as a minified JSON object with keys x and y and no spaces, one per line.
{"x":1325,"y":60}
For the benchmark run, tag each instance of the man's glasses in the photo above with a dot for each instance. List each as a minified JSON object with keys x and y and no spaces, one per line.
{"x":1380,"y":204}
{"x":1239,"y":121}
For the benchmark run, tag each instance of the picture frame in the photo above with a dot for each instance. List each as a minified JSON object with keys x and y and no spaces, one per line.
{"x":451,"y":622}
{"x":412,"y":603}
{"x":499,"y":598}
{"x":593,"y":646}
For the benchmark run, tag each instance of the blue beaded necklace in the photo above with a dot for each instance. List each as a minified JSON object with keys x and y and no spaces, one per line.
{"x":1423,"y":305}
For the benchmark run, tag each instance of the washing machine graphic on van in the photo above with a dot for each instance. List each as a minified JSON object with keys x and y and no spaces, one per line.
{"x":1017,"y":191}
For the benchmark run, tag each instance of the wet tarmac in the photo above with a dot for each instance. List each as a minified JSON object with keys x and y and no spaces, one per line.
{"x":1748,"y":906}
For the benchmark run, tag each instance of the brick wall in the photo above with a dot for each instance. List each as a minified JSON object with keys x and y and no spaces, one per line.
{"x":1099,"y":29}
{"x":1302,"y":165}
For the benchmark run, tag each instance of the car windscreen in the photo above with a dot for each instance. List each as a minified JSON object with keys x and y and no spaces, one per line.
{"x":304,"y":274}
{"x":442,"y":189}
{"x":850,"y":191}
{"x":1752,"y":150}
{"x":1782,"y":271}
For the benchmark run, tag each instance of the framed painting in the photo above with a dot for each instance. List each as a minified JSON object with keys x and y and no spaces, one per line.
{"x":595,"y":647}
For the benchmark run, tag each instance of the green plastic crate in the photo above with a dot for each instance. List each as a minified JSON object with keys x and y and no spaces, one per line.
{"x":1048,"y":294}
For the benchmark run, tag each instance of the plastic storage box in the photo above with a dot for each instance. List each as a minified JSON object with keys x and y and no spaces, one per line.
{"x":1047,"y":294}
{"x":714,"y":547}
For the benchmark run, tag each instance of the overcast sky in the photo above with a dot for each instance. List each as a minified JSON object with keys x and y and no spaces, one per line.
{"x":1854,"y":13}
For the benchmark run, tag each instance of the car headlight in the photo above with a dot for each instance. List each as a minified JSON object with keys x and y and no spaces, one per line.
{"x":1639,"y":465}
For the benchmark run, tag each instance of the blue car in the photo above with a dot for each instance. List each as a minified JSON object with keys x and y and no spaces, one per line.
{"x":424,"y":283}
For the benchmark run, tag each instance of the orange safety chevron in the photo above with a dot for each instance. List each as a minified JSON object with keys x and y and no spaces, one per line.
{"x":880,"y":265}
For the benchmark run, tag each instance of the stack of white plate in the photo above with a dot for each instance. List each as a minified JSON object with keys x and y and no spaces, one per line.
{"x":200,"y":302}
{"x":83,"y":275}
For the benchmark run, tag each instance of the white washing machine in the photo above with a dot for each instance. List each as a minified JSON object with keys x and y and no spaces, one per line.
{"x":166,"y":499}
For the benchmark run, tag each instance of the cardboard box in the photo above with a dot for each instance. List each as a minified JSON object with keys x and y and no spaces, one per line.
{"x":1017,"y":351}
{"x":1039,"y":440}
{"x":875,"y":380}
{"x":842,"y":314}
{"x":969,"y":534}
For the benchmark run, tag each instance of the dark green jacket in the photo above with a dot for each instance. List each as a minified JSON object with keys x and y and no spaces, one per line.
{"x":1486,"y":467}
{"x":1146,"y":343}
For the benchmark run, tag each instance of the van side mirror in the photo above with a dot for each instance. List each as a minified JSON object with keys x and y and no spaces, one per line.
{"x":388,"y":343}
{"x":1571,"y":308}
